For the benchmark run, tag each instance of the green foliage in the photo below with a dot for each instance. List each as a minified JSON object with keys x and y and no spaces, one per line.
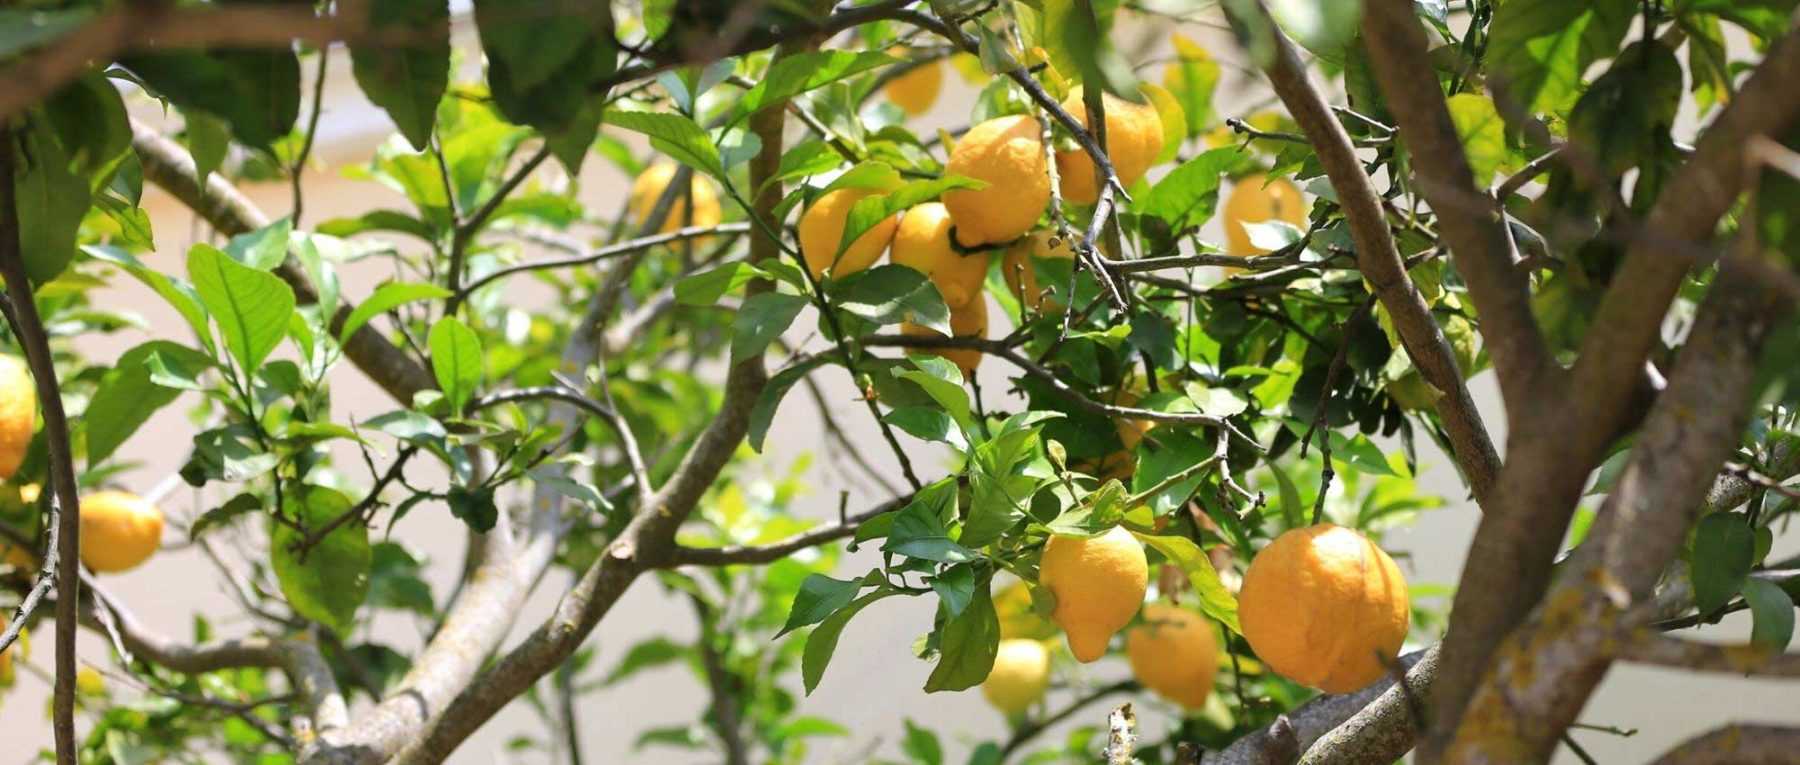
{"x":1237,"y":364}
{"x":325,"y":579}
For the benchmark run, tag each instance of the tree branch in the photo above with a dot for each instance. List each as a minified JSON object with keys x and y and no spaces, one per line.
{"x":1376,"y":253}
{"x":649,"y":539}
{"x":306,"y":668}
{"x":1470,"y":220}
{"x":65,"y":557}
{"x":1542,"y":676}
{"x":1003,"y":350}
{"x":1031,"y":728}
{"x":1345,"y":726}
{"x":1648,"y":646}
{"x":1628,"y":323}
{"x":1737,"y":744}
{"x":774,"y":551}
{"x":605,"y":253}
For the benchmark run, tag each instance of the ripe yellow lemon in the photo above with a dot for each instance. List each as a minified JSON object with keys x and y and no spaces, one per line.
{"x":971,"y":320}
{"x":1021,"y":274}
{"x":1174,"y":653}
{"x":89,"y":682}
{"x":1326,"y":607}
{"x":18,"y":413}
{"x":1255,"y":199}
{"x":1134,"y":138}
{"x":1020,"y":675}
{"x":649,"y":187}
{"x":1017,"y":619}
{"x":1098,"y":582}
{"x":1008,"y":154}
{"x":21,"y":559}
{"x":822,"y":229}
{"x":922,"y":243}
{"x":119,"y":530}
{"x":915,"y":91}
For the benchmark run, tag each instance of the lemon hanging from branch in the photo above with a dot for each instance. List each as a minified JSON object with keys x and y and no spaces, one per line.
{"x":119,"y":531}
{"x":1020,"y":676}
{"x":649,"y":187}
{"x":1175,"y":653}
{"x":1134,"y":139}
{"x":822,"y":230}
{"x":1007,"y":154}
{"x":1099,"y":582}
{"x":1326,"y":607}
{"x":922,"y":243}
{"x":18,"y":413}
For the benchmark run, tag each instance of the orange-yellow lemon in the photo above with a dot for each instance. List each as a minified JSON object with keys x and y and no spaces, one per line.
{"x":1099,"y":582}
{"x":1018,"y":619}
{"x":1134,"y":138}
{"x":1007,"y":153}
{"x":119,"y":530}
{"x":922,"y":243}
{"x":649,"y":187}
{"x":1256,"y":199}
{"x":822,"y":230}
{"x":1175,"y":653}
{"x":915,"y":91}
{"x":1326,"y":607}
{"x":18,"y":413}
{"x":970,"y":320}
{"x":1020,"y":675}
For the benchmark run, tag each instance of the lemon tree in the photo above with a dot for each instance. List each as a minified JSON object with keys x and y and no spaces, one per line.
{"x":1096,"y":374}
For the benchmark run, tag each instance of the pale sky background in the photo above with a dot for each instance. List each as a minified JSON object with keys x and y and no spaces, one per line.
{"x":874,"y":682}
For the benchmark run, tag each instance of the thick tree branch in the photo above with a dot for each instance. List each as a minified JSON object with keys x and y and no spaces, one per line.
{"x":649,"y":540}
{"x":1365,"y":726}
{"x":1737,"y":744}
{"x":1469,"y":220}
{"x":1376,"y":253}
{"x":1648,"y":646}
{"x":28,"y":330}
{"x":229,"y":212}
{"x":511,"y":564}
{"x":1544,"y":673}
{"x":1629,"y":321}
{"x":308,"y":673}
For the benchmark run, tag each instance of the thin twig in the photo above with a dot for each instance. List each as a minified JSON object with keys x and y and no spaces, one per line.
{"x":1322,"y":409}
{"x":312,"y":132}
{"x":774,"y":551}
{"x":1031,"y":728}
{"x":626,"y":247}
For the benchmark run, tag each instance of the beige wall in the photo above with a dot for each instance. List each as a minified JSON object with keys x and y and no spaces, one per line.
{"x":874,"y":682}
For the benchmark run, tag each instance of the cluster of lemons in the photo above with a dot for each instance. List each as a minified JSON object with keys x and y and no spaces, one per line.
{"x":1322,"y":605}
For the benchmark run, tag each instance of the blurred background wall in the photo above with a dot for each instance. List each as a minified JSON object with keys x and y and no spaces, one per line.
{"x":873,"y":684}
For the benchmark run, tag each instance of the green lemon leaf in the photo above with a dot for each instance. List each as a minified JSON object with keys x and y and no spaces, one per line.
{"x":329,"y":581}
{"x":251,"y":307}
